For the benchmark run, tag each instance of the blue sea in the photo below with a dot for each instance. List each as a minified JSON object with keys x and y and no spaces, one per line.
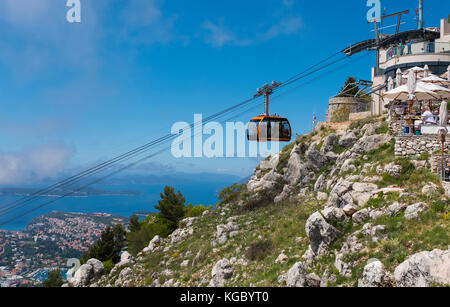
{"x":204,"y":193}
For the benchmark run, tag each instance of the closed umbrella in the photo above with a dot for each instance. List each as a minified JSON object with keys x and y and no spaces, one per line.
{"x":390,"y":84}
{"x":398,"y":78}
{"x":412,"y":84}
{"x":427,"y":71}
{"x":448,"y":73}
{"x":443,"y":114}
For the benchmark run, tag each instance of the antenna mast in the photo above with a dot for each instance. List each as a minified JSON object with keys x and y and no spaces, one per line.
{"x":420,"y":23}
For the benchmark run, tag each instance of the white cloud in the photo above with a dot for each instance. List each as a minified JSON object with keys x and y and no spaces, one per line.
{"x":145,"y":23}
{"x":25,"y":12}
{"x":218,"y":35}
{"x":286,"y":26}
{"x":31,"y":165}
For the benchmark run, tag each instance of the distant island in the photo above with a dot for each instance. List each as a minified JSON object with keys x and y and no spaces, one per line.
{"x":66,"y":192}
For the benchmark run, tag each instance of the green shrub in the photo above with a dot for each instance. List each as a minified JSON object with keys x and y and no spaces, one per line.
{"x":109,"y":246}
{"x":108,"y":265}
{"x":425,"y":156}
{"x":231,"y":193}
{"x":383,"y":129}
{"x":440,"y":206}
{"x":54,"y":280}
{"x":138,"y":240}
{"x":259,"y":250}
{"x":194,"y":211}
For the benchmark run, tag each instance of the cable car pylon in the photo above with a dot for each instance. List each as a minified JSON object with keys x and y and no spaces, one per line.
{"x":266,"y":127}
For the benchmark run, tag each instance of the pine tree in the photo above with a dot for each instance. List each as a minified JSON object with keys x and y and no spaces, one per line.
{"x":54,"y":280}
{"x":171,"y":206}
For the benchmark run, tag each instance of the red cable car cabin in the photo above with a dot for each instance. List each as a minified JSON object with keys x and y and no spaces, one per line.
{"x":261,"y":127}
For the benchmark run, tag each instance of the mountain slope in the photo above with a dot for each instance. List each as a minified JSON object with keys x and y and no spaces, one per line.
{"x":334,"y":208}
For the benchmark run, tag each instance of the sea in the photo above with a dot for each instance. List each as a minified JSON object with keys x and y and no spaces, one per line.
{"x":204,"y":193}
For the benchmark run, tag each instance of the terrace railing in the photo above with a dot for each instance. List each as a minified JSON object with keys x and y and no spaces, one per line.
{"x":417,"y":48}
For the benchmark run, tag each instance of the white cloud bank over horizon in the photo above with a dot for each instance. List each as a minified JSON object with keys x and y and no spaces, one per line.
{"x":34,"y":164}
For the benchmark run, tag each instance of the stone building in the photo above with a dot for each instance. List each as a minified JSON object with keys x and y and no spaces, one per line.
{"x":341,"y":109}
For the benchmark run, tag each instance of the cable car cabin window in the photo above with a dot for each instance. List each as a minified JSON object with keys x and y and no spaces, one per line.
{"x":264,"y":129}
{"x":285,"y":130}
{"x":252,"y":130}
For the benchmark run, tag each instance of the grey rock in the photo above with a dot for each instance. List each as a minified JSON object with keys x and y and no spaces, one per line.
{"x":360,"y":216}
{"x":320,"y":233}
{"x":372,"y":142}
{"x":329,"y":142}
{"x":412,"y":212}
{"x":312,"y":281}
{"x":349,"y":210}
{"x":83,"y":276}
{"x":221,"y":271}
{"x":424,"y":269}
{"x":180,"y":234}
{"x":97,"y":267}
{"x":124,"y":276}
{"x":154,"y":243}
{"x":343,"y":268}
{"x":334,"y":215}
{"x":395,"y":209}
{"x":296,"y":276}
{"x":348,"y":139}
{"x":322,"y":196}
{"x":375,"y":275}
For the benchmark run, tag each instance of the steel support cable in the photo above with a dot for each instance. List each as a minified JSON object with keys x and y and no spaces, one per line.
{"x":148,"y":146}
{"x":71,"y":179}
{"x":105,"y":177}
{"x":76,"y":179}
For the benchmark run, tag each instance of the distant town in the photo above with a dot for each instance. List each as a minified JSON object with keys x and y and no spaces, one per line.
{"x":48,"y":242}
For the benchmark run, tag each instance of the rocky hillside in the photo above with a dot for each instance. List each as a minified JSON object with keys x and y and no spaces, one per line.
{"x":334,"y":208}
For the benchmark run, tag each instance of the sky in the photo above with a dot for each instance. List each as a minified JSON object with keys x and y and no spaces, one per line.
{"x":76,"y":94}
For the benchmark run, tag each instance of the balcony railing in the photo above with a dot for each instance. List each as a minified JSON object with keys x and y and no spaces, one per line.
{"x":417,"y":48}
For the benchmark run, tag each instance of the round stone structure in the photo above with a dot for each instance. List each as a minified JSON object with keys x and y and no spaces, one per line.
{"x":340,"y":108}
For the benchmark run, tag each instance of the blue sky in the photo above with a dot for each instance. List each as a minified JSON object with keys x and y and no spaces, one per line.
{"x":72,"y":95}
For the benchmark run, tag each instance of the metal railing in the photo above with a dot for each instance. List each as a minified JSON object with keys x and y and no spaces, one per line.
{"x":417,"y":48}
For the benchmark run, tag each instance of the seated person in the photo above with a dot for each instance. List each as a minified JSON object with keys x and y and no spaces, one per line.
{"x":428,"y":117}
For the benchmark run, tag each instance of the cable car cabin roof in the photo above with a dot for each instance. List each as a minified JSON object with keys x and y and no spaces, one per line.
{"x":261,"y":117}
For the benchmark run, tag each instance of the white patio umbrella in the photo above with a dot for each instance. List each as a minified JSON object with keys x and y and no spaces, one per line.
{"x":415,"y":69}
{"x":398,"y":78}
{"x":440,"y":91}
{"x":402,"y":93}
{"x":435,"y":79}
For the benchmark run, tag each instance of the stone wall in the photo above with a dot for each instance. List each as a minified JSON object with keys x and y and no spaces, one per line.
{"x":340,"y":108}
{"x":411,"y":145}
{"x":359,"y":116}
{"x":396,"y":125}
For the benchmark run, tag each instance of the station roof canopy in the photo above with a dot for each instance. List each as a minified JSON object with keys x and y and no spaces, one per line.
{"x":395,"y":39}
